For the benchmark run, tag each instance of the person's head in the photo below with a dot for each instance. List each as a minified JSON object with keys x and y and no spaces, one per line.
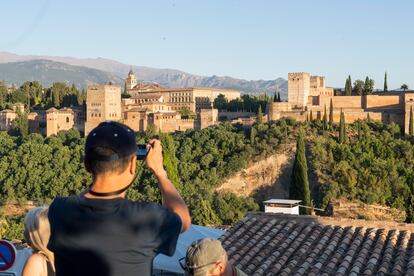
{"x":206,"y":257}
{"x":110,"y":150}
{"x":37,"y":231}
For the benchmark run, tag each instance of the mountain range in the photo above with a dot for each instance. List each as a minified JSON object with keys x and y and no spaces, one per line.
{"x":48,"y":69}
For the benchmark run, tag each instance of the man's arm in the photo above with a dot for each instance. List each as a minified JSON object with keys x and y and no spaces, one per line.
{"x":170,"y":197}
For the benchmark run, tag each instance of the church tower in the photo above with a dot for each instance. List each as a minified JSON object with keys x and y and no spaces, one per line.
{"x":131,"y":80}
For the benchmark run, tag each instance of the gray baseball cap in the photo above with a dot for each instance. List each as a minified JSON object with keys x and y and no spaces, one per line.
{"x":202,"y":255}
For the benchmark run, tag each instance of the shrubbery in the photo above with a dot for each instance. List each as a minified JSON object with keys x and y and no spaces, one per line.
{"x":374,"y":165}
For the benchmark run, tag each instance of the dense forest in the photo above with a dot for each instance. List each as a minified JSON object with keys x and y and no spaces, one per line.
{"x":36,"y":168}
{"x":372,"y":163}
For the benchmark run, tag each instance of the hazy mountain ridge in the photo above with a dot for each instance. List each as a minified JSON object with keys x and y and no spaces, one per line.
{"x":165,"y":77}
{"x":47,"y":72}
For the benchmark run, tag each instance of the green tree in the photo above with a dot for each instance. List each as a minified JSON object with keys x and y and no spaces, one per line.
{"x":307,"y":120}
{"x":20,"y":125}
{"x":252,"y":135}
{"x":342,"y":131}
{"x":310,"y":117}
{"x":404,"y":87}
{"x":368,"y":86}
{"x":348,"y":86}
{"x":3,"y":94}
{"x":331,"y":114}
{"x":275,"y":97}
{"x":385,"y":83}
{"x":299,"y":183}
{"x":221,"y":103}
{"x":259,"y":116}
{"x":359,"y":87}
{"x":411,"y":123}
{"x":325,"y":120}
{"x":204,"y":214}
{"x":279,"y":99}
{"x":170,"y":159}
{"x":368,"y":118}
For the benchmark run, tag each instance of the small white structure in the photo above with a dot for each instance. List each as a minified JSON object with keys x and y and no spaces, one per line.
{"x":284,"y":206}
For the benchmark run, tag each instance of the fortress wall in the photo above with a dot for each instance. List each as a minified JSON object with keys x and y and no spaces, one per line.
{"x":389,"y":102}
{"x":342,"y":101}
{"x":370,"y":101}
{"x":185,"y":124}
{"x":234,"y":115}
{"x":297,"y":115}
{"x":352,"y":116}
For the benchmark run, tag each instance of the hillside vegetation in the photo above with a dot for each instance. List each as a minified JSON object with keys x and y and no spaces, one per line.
{"x":37,"y":168}
{"x":374,"y":165}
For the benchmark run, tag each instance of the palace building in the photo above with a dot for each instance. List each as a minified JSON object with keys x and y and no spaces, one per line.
{"x":179,"y":99}
{"x":159,"y":107}
{"x":308,"y":94}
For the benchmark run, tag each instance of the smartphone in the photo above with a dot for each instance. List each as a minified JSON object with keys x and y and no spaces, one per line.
{"x":141,"y":151}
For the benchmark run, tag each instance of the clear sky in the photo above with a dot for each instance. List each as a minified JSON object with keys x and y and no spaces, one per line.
{"x":246,"y":39}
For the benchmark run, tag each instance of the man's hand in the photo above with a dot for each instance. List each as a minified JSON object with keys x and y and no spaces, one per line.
{"x":154,"y":157}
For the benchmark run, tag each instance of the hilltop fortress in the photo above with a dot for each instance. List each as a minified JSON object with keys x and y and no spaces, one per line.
{"x":308,"y":94}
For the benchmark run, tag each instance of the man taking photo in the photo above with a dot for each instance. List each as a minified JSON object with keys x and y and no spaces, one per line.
{"x":100,"y":232}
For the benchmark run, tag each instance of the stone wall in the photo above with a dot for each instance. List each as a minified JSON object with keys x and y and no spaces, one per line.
{"x":184,"y":124}
{"x":229,"y":115}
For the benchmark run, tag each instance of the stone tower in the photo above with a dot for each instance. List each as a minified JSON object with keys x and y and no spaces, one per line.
{"x":103,"y":103}
{"x":298,"y":89}
{"x":131,"y":80}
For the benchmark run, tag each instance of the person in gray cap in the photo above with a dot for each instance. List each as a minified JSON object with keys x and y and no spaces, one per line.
{"x":207,"y":257}
{"x":99,"y":231}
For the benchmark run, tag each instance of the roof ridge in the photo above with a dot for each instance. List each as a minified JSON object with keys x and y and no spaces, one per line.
{"x":343,"y":222}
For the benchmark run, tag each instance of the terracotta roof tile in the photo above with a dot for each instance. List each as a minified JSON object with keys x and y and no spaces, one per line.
{"x":265,"y":244}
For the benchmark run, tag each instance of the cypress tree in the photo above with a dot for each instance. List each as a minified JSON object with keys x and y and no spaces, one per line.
{"x":331,"y":115}
{"x":307,"y":119}
{"x":359,"y":130}
{"x":170,"y":160}
{"x":385,"y":83}
{"x":368,"y":118}
{"x":278,"y":97}
{"x":368,"y":86}
{"x":310,"y":117}
{"x":411,"y":126}
{"x":299,"y":183}
{"x":275,"y":97}
{"x":125,"y":88}
{"x":252,"y":135}
{"x":325,"y":120}
{"x":342,"y":128}
{"x":348,"y":86}
{"x":259,"y":115}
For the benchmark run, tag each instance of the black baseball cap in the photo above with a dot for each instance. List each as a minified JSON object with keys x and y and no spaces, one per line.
{"x":112,"y":135}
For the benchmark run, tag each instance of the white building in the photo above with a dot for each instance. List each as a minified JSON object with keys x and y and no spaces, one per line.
{"x":285,"y":206}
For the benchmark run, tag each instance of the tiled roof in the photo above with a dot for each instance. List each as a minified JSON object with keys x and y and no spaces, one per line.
{"x":277,"y":244}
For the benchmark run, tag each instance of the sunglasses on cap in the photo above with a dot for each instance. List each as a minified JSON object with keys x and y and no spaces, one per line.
{"x":185,"y":265}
